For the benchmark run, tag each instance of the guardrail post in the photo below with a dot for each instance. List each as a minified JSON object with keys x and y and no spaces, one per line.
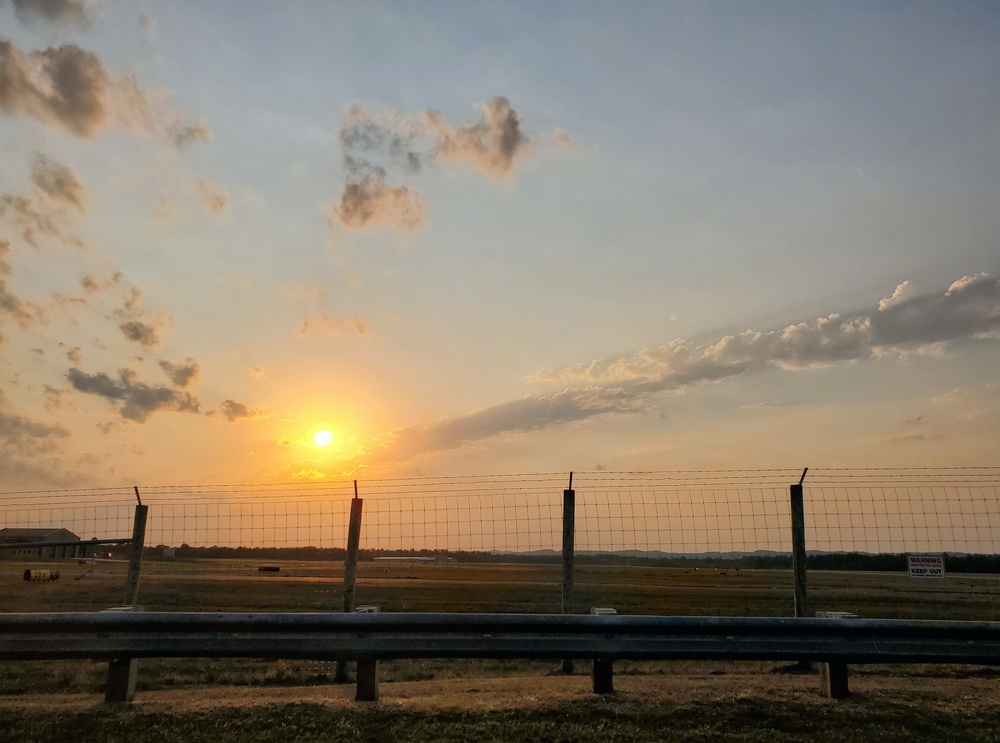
{"x":367,"y":680}
{"x":833,"y":681}
{"x":123,"y":672}
{"x":569,"y":532}
{"x":604,"y":672}
{"x":351,"y":571}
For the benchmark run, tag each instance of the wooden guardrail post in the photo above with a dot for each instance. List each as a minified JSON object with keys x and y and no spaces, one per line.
{"x":350,"y":569}
{"x":123,"y":672}
{"x":569,"y":533}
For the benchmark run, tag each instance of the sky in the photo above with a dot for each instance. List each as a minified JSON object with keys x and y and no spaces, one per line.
{"x":472,"y":238}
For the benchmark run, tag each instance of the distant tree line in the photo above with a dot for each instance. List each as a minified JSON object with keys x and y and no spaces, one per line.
{"x":883,"y":562}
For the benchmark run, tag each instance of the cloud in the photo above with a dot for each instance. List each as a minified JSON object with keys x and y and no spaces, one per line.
{"x":70,"y":88}
{"x":969,"y":308}
{"x":212,"y":198}
{"x":181,"y":374}
{"x":142,"y":333}
{"x":369,"y":201}
{"x":375,"y":145}
{"x":135,"y":400}
{"x":184,"y":132}
{"x":335,"y":326}
{"x":25,"y":436}
{"x":68,"y":12}
{"x":11,"y":306}
{"x":58,"y":183}
{"x":34,"y":220}
{"x":531,"y":413}
{"x":62,"y":85}
{"x":24,"y":444}
{"x":907,"y":322}
{"x":491,"y":145}
{"x":235,"y":411}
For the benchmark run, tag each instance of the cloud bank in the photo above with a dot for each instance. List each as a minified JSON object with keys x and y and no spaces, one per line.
{"x":908,"y":322}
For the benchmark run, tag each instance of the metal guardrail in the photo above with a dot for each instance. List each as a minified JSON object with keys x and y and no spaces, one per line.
{"x":367,"y":638}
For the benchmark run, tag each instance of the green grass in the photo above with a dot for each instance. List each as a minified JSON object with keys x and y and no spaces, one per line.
{"x":597,"y":720}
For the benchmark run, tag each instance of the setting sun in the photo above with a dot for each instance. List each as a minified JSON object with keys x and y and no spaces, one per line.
{"x":323,"y":438}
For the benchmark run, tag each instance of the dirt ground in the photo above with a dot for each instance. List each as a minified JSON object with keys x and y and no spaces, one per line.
{"x":952,"y":694}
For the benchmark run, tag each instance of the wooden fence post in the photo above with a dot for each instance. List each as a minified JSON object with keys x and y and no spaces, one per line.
{"x":123,"y":672}
{"x":350,"y":569}
{"x":569,"y":533}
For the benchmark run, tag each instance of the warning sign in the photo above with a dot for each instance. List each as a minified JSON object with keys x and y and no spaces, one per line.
{"x":925,"y":566}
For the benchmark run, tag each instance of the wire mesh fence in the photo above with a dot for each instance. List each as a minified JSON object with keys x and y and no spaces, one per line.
{"x":637,"y":518}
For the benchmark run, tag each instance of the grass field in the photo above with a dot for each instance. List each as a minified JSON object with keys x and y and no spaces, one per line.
{"x":653,"y":701}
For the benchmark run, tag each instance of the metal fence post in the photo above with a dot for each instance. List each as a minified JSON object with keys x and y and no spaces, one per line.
{"x":569,"y":533}
{"x":350,"y":568}
{"x":799,"y":548}
{"x":123,"y":672}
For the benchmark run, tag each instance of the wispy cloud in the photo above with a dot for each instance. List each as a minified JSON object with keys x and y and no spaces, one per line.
{"x":212,"y":197}
{"x":58,"y":182}
{"x":62,"y":12}
{"x":235,"y":411}
{"x":327,"y":324}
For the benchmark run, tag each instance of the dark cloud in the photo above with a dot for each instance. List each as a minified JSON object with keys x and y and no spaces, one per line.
{"x":234,"y":411}
{"x":61,"y":85}
{"x":27,"y":449}
{"x":519,"y":416}
{"x":68,"y":12}
{"x":23,"y":436}
{"x":14,"y":308}
{"x":370,"y":201}
{"x":373,"y":145}
{"x":969,"y":307}
{"x":134,"y":400}
{"x":491,"y":145}
{"x":908,"y":321}
{"x":145,"y":335}
{"x":58,"y":182}
{"x":70,"y":87}
{"x":181,"y":374}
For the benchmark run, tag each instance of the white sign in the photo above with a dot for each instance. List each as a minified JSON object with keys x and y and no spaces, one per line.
{"x":925,"y":566}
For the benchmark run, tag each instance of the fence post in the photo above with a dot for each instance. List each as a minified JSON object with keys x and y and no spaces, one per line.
{"x":799,"y":548}
{"x":569,"y":533}
{"x":123,"y":672}
{"x":350,"y":569}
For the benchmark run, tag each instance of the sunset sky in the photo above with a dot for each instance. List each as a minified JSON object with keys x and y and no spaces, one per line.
{"x":471,"y":237}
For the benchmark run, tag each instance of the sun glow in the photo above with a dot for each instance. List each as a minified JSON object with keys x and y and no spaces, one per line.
{"x":322,"y":438}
